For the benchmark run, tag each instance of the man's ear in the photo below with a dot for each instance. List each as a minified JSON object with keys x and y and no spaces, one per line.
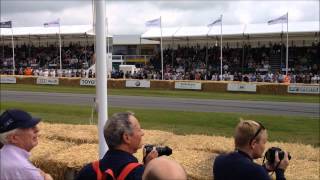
{"x":253,"y":143}
{"x":126,"y":138}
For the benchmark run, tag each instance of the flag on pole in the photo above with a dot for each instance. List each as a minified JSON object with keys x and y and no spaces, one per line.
{"x":281,"y":19}
{"x":153,"y":23}
{"x":6,"y":24}
{"x":218,"y":21}
{"x":52,"y":23}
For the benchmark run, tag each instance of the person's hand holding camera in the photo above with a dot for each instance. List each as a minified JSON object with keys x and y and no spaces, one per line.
{"x":278,"y":164}
{"x":147,"y":157}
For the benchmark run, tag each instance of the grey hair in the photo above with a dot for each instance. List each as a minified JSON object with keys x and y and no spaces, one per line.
{"x":4,"y":136}
{"x":115,"y":127}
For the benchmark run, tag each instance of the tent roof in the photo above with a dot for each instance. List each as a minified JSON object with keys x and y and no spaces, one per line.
{"x":201,"y":31}
{"x":41,"y":30}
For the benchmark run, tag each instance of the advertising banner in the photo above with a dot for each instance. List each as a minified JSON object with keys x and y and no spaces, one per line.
{"x":138,"y":83}
{"x":242,"y":87}
{"x":304,"y":89}
{"x":188,"y":85}
{"x":48,"y":80}
{"x":87,"y":82}
{"x":8,"y":80}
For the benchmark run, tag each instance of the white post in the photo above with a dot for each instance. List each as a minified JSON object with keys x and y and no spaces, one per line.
{"x":221,"y":51}
{"x":101,"y":73}
{"x":13,"y":61}
{"x":60,"y":49}
{"x":107,"y":36}
{"x":161,"y":47}
{"x":287,"y":52}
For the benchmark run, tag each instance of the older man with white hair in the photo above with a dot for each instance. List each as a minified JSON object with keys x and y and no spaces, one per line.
{"x":18,"y":134}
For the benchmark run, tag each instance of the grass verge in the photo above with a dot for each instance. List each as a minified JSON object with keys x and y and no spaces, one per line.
{"x":294,"y":129}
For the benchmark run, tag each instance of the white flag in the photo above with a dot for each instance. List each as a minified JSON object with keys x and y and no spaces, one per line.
{"x":281,"y":19}
{"x":153,"y":23}
{"x":52,"y":23}
{"x":218,"y":21}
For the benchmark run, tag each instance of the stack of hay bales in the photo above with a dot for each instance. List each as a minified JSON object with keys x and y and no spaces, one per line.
{"x":64,"y":149}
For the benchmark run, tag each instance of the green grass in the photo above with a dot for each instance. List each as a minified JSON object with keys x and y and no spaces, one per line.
{"x":295,"y":129}
{"x":164,"y":93}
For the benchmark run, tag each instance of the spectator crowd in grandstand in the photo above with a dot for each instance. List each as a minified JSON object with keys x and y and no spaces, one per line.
{"x":250,"y":64}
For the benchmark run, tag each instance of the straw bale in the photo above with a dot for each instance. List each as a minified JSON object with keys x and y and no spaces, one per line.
{"x":26,"y":79}
{"x":157,"y":84}
{"x":272,"y":89}
{"x":74,"y":81}
{"x":116,"y":83}
{"x":71,"y":133}
{"x":214,"y":86}
{"x":77,"y":156}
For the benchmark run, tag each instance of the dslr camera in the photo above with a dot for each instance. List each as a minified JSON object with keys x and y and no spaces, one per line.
{"x":165,"y":150}
{"x":271,"y":152}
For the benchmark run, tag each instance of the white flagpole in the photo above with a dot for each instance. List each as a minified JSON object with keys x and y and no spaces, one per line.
{"x":221,"y":51}
{"x":161,"y":47}
{"x":13,"y":61}
{"x":101,"y":73}
{"x":287,"y":53}
{"x":60,"y":48}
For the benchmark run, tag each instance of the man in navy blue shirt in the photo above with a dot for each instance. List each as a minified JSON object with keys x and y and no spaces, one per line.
{"x":250,"y":139}
{"x":123,"y":136}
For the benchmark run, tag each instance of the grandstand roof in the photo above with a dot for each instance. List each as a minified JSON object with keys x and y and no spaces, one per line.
{"x":40,"y":30}
{"x":130,"y":40}
{"x":232,"y":30}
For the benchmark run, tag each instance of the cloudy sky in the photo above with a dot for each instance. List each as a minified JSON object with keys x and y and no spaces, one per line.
{"x":129,"y":16}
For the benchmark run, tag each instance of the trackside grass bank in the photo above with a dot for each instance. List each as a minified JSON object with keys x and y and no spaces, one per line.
{"x":295,"y":129}
{"x":164,"y":93}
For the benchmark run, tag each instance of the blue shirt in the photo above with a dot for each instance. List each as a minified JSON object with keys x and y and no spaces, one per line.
{"x":115,"y":160}
{"x":15,"y":164}
{"x":239,"y":165}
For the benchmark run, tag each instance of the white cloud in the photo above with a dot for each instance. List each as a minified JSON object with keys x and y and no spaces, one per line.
{"x":128,"y":17}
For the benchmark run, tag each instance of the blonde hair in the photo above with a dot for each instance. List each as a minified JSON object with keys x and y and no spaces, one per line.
{"x":246,"y":131}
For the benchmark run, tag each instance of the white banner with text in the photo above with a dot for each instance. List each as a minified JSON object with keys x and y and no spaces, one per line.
{"x":8,"y":80}
{"x":87,"y":82}
{"x":48,"y":80}
{"x":188,"y":85}
{"x":244,"y":87}
{"x":304,"y":89}
{"x":138,"y":83}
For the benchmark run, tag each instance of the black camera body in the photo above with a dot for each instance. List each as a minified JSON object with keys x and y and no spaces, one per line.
{"x":271,"y":153}
{"x":161,"y":150}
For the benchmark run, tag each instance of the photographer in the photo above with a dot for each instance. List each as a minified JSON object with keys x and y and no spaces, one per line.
{"x":250,"y":139}
{"x":123,"y":136}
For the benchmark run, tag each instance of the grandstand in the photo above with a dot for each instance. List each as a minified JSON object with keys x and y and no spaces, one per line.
{"x":189,"y":52}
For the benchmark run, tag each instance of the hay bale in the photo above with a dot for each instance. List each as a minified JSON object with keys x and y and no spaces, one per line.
{"x":26,"y":79}
{"x":65,"y":81}
{"x":116,"y":83}
{"x":278,"y":89}
{"x":78,"y":134}
{"x":214,"y":86}
{"x":159,"y":84}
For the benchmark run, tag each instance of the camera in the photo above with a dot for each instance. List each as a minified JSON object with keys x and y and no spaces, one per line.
{"x":271,"y":152}
{"x":161,"y":150}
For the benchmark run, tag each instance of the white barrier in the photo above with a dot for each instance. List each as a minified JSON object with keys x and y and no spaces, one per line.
{"x":138,"y":83}
{"x":87,"y":82}
{"x":187,"y":85}
{"x":8,"y":80}
{"x":304,"y":89}
{"x":48,"y":80}
{"x":243,"y":87}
